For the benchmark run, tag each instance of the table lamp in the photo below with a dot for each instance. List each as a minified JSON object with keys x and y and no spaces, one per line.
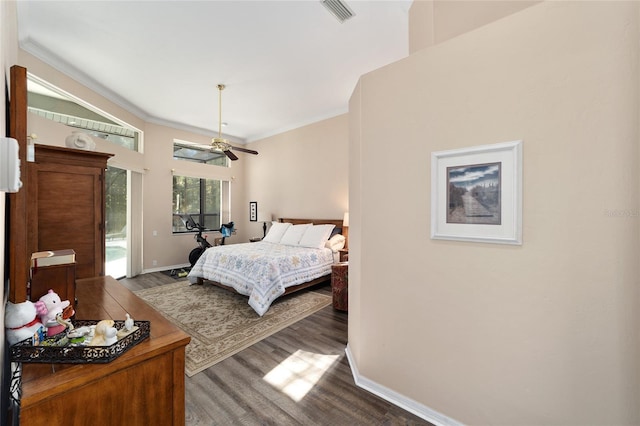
{"x":264,"y":218}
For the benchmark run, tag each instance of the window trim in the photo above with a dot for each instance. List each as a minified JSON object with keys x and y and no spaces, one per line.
{"x":72,"y":98}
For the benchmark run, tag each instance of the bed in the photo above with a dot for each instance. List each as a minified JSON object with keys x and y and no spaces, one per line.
{"x":292,"y":257}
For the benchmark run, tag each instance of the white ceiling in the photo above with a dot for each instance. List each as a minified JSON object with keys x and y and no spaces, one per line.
{"x":285,"y":63}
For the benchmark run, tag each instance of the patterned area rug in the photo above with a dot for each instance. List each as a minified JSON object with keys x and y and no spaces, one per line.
{"x":221,"y":323}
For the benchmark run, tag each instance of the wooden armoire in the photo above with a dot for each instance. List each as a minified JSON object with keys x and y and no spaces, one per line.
{"x":66,"y":205}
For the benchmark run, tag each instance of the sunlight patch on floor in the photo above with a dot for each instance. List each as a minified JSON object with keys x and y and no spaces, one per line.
{"x":296,"y":375}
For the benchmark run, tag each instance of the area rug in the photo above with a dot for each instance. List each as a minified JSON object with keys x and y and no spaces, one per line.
{"x":220,"y":322}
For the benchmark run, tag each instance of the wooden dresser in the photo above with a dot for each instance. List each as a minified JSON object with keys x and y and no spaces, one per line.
{"x":144,"y":386}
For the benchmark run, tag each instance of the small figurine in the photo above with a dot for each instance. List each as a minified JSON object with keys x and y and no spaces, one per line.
{"x":128,"y":328}
{"x":49,"y":307}
{"x":104,"y":334}
{"x":128,"y":323}
{"x":21,"y":321}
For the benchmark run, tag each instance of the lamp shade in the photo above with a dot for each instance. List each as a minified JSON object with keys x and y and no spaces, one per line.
{"x":345,"y":219}
{"x":264,"y":217}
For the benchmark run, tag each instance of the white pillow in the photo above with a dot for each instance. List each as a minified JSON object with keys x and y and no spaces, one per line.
{"x":336,"y":242}
{"x":316,"y":236}
{"x":276,"y":232}
{"x":293,"y":234}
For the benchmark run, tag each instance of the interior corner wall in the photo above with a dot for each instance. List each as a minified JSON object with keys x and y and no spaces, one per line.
{"x":435,"y":21}
{"x":421,"y":28}
{"x":301,"y":173}
{"x":542,"y":333}
{"x":356,"y":222}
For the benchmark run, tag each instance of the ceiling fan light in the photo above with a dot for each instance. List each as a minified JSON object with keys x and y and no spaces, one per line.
{"x":219,"y":144}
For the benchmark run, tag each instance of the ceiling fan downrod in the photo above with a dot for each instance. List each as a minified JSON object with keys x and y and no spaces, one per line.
{"x":220,"y":143}
{"x":220,"y":89}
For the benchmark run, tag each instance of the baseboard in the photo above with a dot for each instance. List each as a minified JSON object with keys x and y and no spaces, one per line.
{"x":165,"y":268}
{"x":397,"y":399}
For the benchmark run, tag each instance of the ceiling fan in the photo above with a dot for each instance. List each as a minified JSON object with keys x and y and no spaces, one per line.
{"x":220,"y":143}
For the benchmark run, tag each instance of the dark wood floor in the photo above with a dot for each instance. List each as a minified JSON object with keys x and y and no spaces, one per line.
{"x":235,"y":391}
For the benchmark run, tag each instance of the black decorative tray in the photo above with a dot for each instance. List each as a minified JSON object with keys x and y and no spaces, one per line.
{"x":25,"y":351}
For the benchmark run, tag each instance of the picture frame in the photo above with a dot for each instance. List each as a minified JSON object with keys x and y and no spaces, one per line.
{"x":476,"y":194}
{"x":253,"y":211}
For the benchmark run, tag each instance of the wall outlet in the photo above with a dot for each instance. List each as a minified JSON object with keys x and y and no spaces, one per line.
{"x":154,"y":262}
{"x":155,"y":233}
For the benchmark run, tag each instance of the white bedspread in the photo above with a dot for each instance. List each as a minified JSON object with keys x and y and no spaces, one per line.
{"x":262,"y":270}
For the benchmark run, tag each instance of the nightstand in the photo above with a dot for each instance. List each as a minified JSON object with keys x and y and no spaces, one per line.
{"x":340,"y":285}
{"x":344,"y":255}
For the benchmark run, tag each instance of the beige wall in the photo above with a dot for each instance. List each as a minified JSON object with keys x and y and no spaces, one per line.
{"x":543,"y":333}
{"x":433,"y":22}
{"x":167,"y":249}
{"x":301,"y":173}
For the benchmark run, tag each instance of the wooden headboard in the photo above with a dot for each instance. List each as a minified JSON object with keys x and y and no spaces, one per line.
{"x":336,"y":222}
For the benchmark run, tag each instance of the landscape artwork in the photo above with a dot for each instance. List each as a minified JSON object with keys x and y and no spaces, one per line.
{"x":473,"y":194}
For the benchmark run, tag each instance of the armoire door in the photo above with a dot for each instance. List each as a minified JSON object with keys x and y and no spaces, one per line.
{"x":66,"y":205}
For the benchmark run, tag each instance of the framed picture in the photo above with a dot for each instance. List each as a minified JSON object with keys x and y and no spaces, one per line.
{"x":253,"y":211}
{"x":476,"y":194}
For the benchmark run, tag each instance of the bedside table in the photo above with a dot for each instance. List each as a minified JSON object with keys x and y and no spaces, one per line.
{"x":344,"y":255}
{"x":340,"y":286}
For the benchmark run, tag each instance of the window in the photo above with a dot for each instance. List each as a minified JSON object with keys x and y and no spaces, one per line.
{"x":204,"y":200}
{"x":54,"y":104}
{"x":197,"y":153}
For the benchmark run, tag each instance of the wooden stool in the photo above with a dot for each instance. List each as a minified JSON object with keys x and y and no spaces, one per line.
{"x":340,"y":285}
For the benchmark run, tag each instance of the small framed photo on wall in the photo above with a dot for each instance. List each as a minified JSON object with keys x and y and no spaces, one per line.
{"x":253,"y":211}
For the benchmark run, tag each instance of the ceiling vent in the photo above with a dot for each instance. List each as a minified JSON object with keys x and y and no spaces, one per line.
{"x":339,"y":9}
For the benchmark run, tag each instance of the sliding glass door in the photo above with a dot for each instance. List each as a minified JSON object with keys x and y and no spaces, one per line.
{"x":117,"y":249}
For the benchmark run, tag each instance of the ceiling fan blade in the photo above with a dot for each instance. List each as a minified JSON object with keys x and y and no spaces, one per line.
{"x":248,"y":151}
{"x":231,"y":155}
